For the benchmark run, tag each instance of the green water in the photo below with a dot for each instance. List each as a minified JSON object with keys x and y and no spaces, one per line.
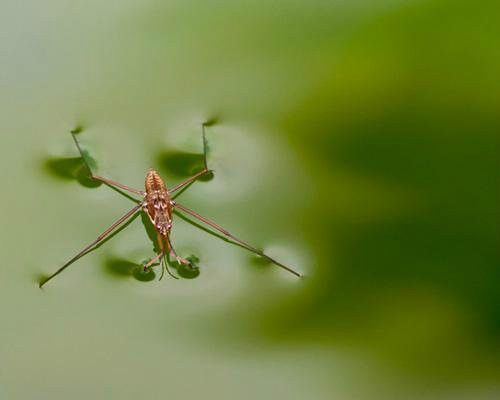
{"x":355,"y":141}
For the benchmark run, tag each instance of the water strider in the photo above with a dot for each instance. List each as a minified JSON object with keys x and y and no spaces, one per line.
{"x":158,"y":204}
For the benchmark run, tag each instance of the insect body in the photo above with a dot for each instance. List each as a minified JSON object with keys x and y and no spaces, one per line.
{"x":157,"y":203}
{"x":159,"y":207}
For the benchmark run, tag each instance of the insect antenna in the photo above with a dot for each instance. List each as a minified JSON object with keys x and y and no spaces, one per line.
{"x":166,"y":267}
{"x":162,"y":268}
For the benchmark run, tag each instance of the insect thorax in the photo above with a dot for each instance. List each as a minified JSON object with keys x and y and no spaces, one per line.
{"x":158,"y":203}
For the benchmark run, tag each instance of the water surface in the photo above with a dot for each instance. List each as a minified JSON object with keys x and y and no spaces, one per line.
{"x":354,"y":141}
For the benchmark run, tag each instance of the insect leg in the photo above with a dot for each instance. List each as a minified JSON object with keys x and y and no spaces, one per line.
{"x":231,"y":236}
{"x":153,"y":260}
{"x":205,"y":145}
{"x":94,"y":243}
{"x":100,"y":178}
{"x":189,"y":180}
{"x":205,"y":164}
{"x":179,"y":259}
{"x":117,"y":184}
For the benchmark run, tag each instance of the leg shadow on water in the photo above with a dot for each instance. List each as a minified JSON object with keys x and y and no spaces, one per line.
{"x":122,"y":268}
{"x":182,"y":164}
{"x":72,"y":168}
{"x":68,"y":169}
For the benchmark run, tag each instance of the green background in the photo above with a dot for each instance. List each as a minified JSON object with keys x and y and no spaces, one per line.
{"x":356,"y":141}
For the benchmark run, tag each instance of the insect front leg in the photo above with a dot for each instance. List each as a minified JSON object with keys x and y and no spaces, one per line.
{"x":179,"y":259}
{"x":153,"y":261}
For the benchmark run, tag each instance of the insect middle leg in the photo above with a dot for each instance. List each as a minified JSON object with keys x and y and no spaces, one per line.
{"x":100,"y":178}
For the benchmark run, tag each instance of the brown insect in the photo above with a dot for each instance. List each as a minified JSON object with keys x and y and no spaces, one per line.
{"x":158,"y":204}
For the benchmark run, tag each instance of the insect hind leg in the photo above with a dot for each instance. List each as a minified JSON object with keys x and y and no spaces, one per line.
{"x":205,"y":170}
